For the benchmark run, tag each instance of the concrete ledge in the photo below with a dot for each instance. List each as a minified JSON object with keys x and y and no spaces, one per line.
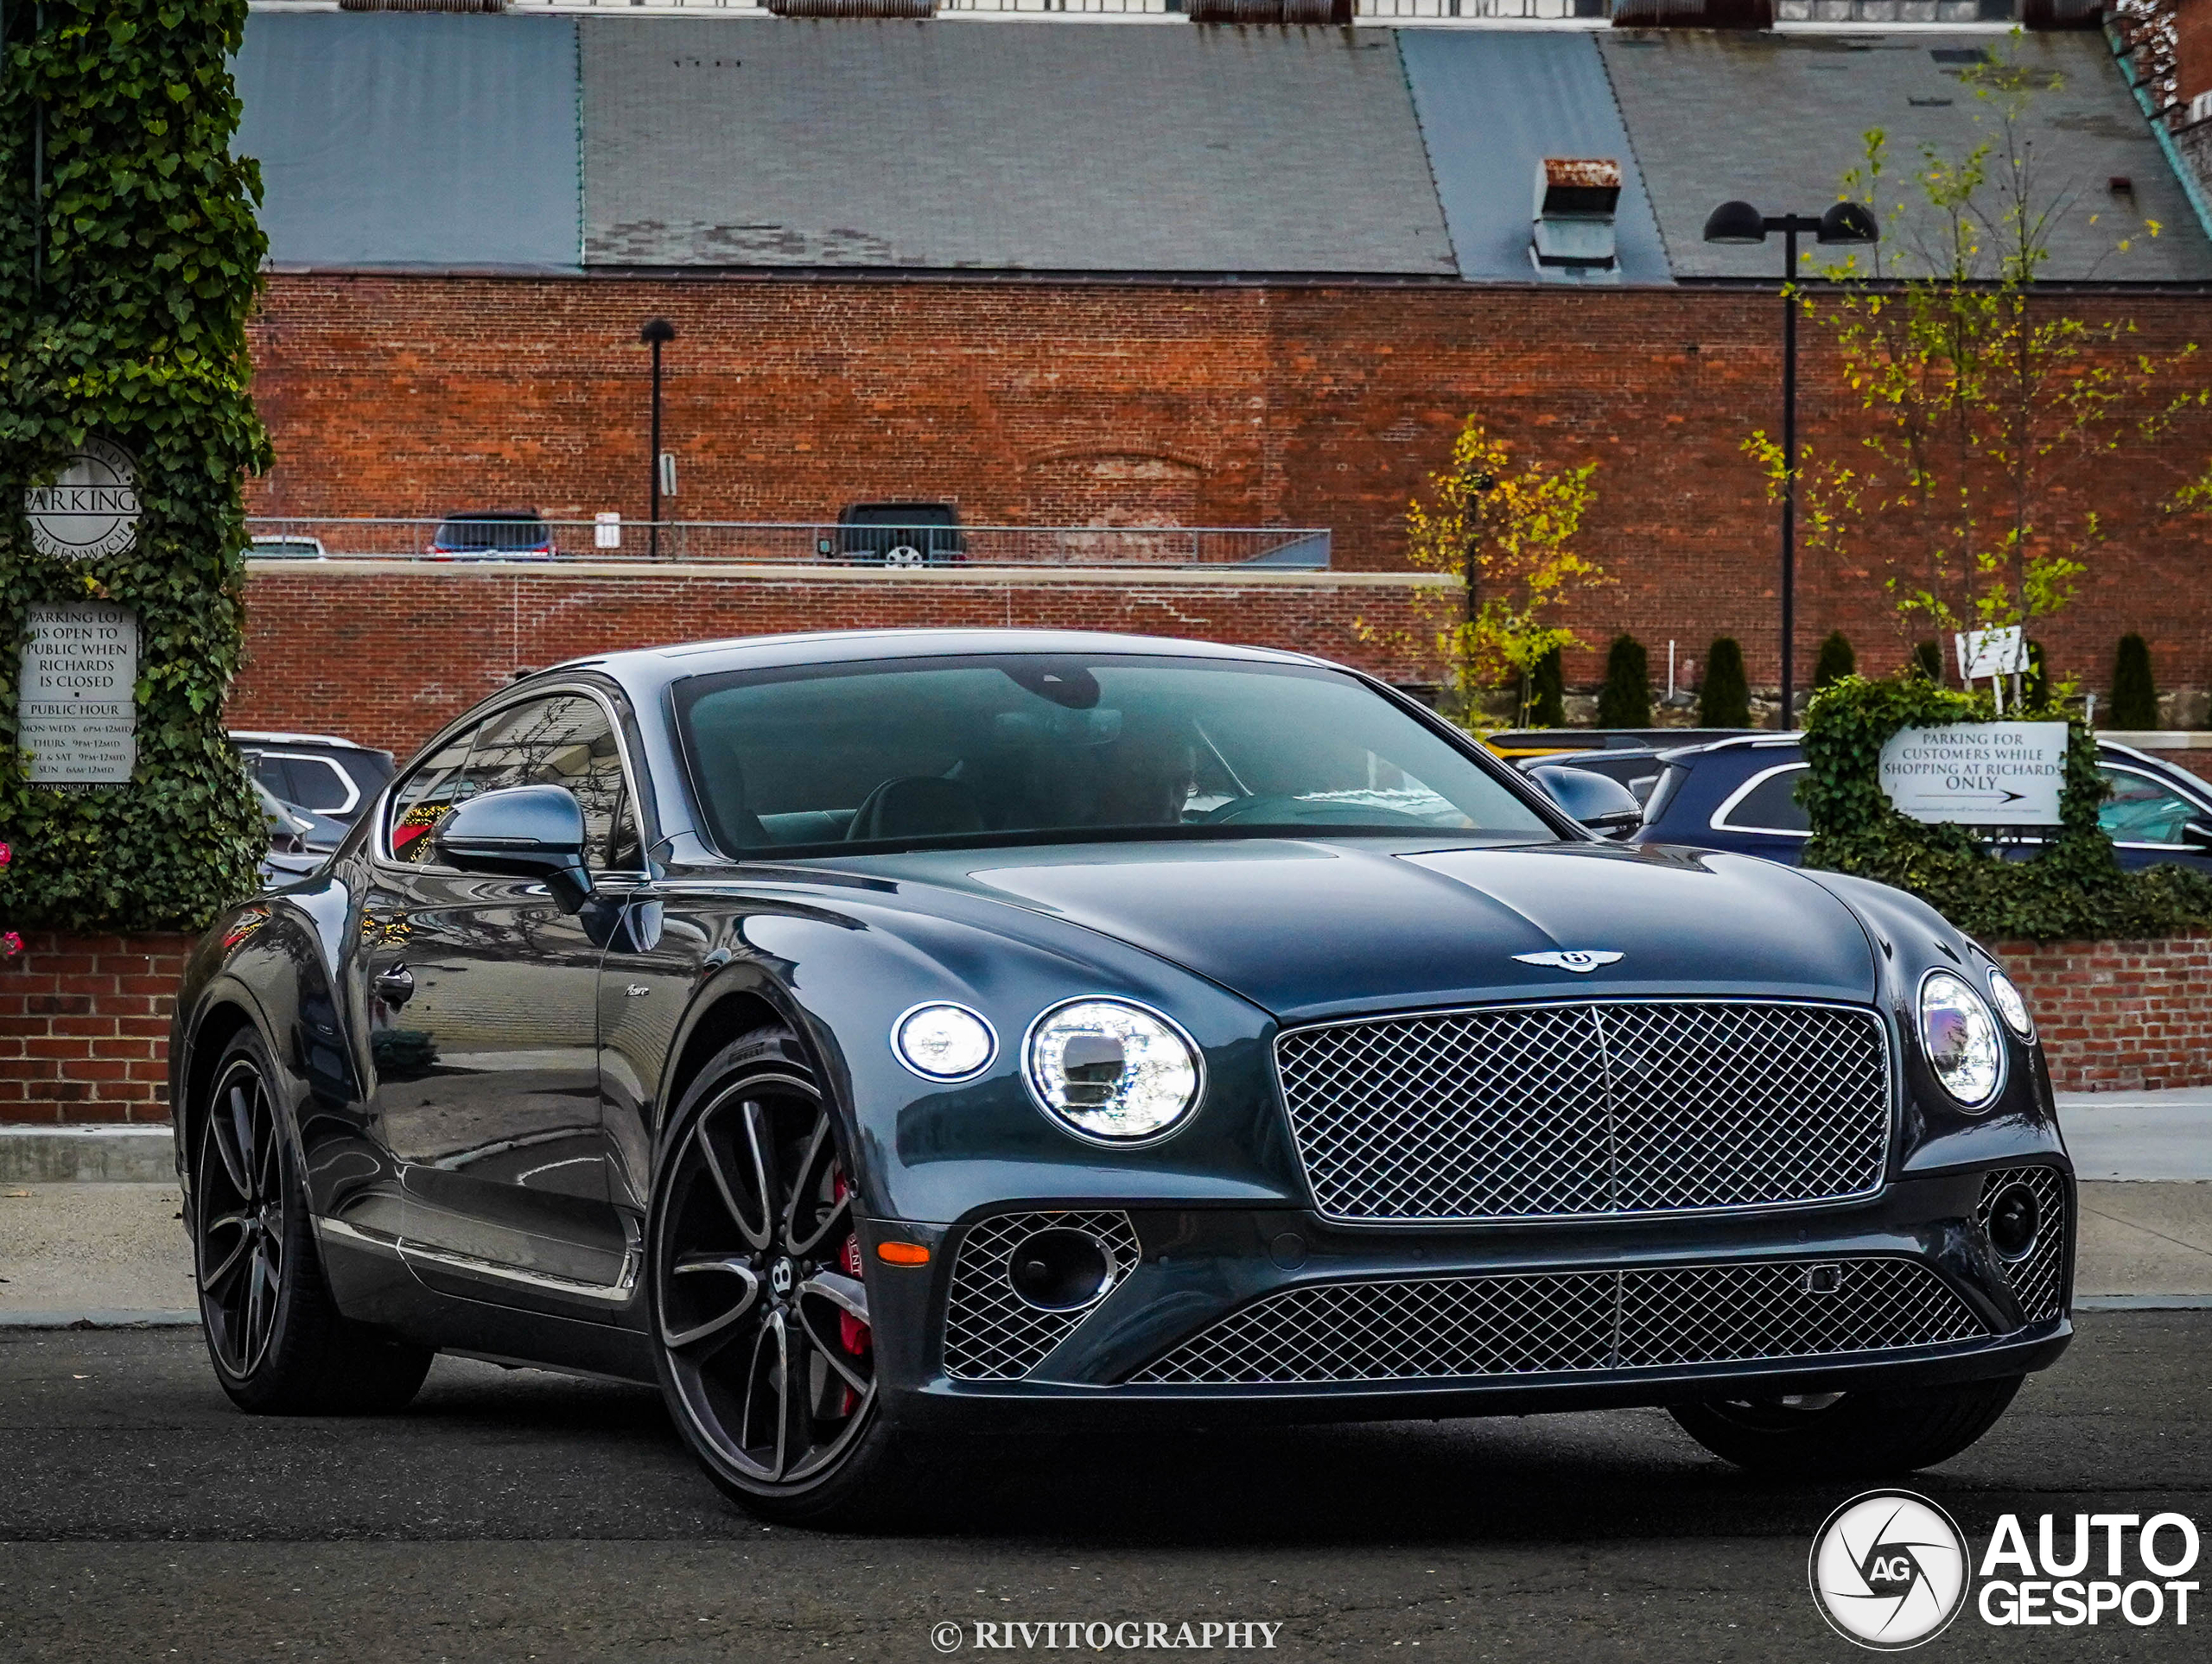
{"x":87,"y":1155}
{"x":1230,"y":574}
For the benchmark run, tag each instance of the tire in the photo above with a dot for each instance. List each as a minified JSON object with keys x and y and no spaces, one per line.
{"x":274,"y":1334}
{"x":745,"y":1298}
{"x":1848,"y":1435}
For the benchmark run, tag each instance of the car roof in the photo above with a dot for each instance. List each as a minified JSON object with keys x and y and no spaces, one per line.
{"x":270,"y":737}
{"x":1741,"y":742}
{"x":652,"y":667}
{"x":492,"y":514}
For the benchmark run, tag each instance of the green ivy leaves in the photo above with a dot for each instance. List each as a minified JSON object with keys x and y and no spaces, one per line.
{"x":2073,"y":888}
{"x":127,"y":274}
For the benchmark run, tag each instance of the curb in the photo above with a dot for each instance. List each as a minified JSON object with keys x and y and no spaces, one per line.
{"x":120,"y":1318}
{"x":87,"y":1155}
{"x":2143,"y":1302}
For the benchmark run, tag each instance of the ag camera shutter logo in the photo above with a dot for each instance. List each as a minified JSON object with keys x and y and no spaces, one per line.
{"x":1889,"y":1570}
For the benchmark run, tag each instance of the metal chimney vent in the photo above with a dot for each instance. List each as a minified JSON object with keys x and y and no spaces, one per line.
{"x":1573,"y":227}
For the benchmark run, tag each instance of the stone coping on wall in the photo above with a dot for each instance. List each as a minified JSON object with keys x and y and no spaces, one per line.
{"x":1171,"y":577}
{"x":85,"y":1020}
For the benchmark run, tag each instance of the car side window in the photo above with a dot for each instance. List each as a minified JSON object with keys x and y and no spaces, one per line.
{"x":2141,"y":811}
{"x":1771,"y":805}
{"x":425,"y":798}
{"x":566,"y":741}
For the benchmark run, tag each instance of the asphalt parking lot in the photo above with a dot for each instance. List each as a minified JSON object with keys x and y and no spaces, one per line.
{"x":516,"y":1515}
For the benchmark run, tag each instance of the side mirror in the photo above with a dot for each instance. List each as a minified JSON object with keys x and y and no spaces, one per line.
{"x":529,"y":832}
{"x":1598,"y":801}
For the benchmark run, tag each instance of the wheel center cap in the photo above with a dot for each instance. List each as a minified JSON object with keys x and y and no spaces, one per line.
{"x":781,"y":1277}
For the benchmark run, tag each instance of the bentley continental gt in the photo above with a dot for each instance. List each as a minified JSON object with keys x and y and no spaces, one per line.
{"x":868,"y":1035}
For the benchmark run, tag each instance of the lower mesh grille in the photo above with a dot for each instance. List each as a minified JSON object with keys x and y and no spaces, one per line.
{"x":1459,"y":1327}
{"x":2039,"y":1279}
{"x":990,"y":1332}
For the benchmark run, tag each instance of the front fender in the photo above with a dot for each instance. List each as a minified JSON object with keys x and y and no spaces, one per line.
{"x":931,"y":1151}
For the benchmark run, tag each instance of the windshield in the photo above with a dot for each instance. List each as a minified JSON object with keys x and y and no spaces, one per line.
{"x":1026,"y":748}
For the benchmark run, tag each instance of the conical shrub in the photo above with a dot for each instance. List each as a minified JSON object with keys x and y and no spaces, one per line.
{"x":2134,"y":695}
{"x":1546,"y":692}
{"x":1836,"y":660}
{"x":1625,"y":700}
{"x":1724,"y":699}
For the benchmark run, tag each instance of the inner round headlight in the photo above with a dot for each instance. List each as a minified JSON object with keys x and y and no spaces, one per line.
{"x":1112,"y":1071}
{"x":1960,"y":1038}
{"x":943,"y":1043}
{"x":2009,"y":1006}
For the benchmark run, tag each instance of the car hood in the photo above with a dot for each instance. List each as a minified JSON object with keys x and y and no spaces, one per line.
{"x":1307,"y":928}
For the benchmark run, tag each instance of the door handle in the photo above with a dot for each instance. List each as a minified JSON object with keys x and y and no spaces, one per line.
{"x":394,"y":986}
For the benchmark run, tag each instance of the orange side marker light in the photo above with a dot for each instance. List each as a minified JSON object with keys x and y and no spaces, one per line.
{"x":902,"y":1254}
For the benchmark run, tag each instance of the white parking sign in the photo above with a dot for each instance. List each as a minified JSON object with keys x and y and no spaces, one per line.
{"x":1978,"y":774}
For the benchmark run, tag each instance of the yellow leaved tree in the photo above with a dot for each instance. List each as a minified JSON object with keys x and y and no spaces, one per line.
{"x":1503,"y":528}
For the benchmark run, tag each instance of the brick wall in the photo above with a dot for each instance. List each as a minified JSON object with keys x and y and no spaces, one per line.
{"x":85,"y":1020}
{"x":1046,"y":402}
{"x":386,"y":652}
{"x":84,"y":1027}
{"x":2118,"y":1015}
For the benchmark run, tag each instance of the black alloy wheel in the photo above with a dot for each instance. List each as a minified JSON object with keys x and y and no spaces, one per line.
{"x":240,"y":1209}
{"x":760,"y":1301}
{"x":278,"y":1341}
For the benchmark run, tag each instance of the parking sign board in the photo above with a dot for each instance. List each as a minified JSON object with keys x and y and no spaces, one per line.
{"x":77,"y":713}
{"x":1978,"y":774}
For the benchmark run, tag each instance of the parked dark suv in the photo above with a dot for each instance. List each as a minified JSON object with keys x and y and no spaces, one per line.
{"x":329,"y":779}
{"x":493,"y":534}
{"x":1741,"y":795}
{"x":900,"y":534}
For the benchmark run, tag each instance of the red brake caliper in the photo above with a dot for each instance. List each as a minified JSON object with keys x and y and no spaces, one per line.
{"x":852,"y":1333}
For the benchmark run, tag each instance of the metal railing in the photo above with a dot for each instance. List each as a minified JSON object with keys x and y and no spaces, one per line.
{"x":790,"y":544}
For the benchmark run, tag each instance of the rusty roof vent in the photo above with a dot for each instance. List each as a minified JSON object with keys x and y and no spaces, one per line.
{"x":1573,"y":231}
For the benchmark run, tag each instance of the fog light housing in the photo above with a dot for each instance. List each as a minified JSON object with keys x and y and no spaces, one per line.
{"x":1061,"y":1270}
{"x":2015,"y":1221}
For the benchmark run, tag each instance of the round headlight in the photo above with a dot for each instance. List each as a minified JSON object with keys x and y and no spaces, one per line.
{"x":943,"y":1043}
{"x":1111,"y":1071}
{"x":1960,"y":1038}
{"x":2009,"y":1006}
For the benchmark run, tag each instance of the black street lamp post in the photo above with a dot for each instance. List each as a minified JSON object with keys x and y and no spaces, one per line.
{"x":1739,"y":222}
{"x":657,"y":333}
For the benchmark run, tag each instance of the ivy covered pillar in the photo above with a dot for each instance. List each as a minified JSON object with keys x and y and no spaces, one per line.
{"x":129,"y":261}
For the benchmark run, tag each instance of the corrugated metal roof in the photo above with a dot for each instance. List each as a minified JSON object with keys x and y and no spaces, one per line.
{"x":1777,"y":119}
{"x":1494,"y":103}
{"x":413,"y":141}
{"x":1037,"y":149}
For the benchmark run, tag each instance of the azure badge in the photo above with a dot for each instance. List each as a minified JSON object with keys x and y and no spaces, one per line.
{"x":1582,"y":960}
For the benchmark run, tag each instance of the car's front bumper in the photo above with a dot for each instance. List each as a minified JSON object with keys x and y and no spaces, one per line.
{"x":1211,"y":1319}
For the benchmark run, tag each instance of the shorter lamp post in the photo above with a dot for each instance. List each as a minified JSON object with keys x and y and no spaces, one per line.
{"x":657,"y":333}
{"x":1739,"y":222}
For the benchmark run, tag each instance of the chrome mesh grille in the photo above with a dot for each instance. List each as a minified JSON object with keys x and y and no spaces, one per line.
{"x":990,"y":1332}
{"x":1575,"y":1110}
{"x":1449,"y":1328}
{"x":2038,"y":1280}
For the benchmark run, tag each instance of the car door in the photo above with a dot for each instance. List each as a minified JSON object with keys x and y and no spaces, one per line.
{"x":483,"y":1024}
{"x":2150,"y":820}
